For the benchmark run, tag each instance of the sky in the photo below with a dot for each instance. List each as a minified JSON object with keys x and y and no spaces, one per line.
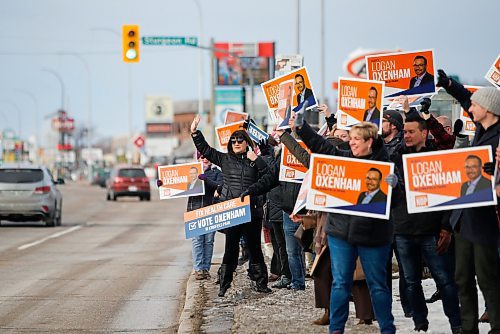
{"x":41,"y":37}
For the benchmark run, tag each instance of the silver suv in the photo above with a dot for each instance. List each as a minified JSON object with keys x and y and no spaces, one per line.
{"x":29,"y":193}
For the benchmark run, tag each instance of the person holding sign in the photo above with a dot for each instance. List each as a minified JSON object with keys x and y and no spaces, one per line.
{"x":240,"y":168}
{"x":352,"y":236}
{"x":477,"y":229}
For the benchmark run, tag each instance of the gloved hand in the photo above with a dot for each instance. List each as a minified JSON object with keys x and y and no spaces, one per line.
{"x":247,"y":122}
{"x":443,"y":242}
{"x":243,"y":195}
{"x":457,"y":127}
{"x":159,"y":183}
{"x":392,"y":180}
{"x":264,"y":147}
{"x":489,"y":168}
{"x":426,"y":104}
{"x":443,"y":80}
{"x":202,"y":177}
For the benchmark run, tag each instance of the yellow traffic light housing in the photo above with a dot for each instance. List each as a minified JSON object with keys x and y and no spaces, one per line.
{"x":131,"y":42}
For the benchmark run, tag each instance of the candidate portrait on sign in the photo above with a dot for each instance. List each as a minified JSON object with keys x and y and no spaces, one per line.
{"x":422,"y":77}
{"x":373,"y":194}
{"x":305,"y":93}
{"x":372,"y":114}
{"x":477,"y":181}
{"x":195,"y":185}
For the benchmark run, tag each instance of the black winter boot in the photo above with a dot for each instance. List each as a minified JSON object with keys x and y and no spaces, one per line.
{"x":225,"y":277}
{"x":259,"y":273}
{"x":244,"y":255}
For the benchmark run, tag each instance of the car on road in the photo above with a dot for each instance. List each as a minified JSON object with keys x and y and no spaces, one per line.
{"x":128,"y":181}
{"x":29,"y":193}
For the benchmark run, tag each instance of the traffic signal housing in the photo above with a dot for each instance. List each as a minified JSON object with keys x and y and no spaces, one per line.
{"x":131,"y":42}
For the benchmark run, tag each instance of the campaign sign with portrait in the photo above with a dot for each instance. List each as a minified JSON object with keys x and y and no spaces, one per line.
{"x":350,"y":186}
{"x":469,"y":128}
{"x":359,"y":100}
{"x":217,"y":216}
{"x":493,"y":74}
{"x":234,"y":117}
{"x":256,"y":133}
{"x":449,"y":179}
{"x":300,"y":203}
{"x":224,"y":132}
{"x":404,"y":73}
{"x":181,"y":180}
{"x":291,"y":169}
{"x":302,"y":91}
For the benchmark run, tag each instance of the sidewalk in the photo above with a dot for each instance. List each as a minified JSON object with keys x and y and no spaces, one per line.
{"x":243,"y":310}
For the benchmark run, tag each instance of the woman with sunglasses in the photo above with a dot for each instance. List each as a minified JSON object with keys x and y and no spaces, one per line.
{"x":240,"y":168}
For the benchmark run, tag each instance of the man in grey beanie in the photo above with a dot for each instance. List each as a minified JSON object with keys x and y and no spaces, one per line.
{"x":477,"y":229}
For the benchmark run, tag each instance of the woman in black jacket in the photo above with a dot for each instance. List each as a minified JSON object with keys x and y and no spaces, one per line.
{"x":240,"y":167}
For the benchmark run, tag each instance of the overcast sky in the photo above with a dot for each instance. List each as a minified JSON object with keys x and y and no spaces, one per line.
{"x":464,"y":35}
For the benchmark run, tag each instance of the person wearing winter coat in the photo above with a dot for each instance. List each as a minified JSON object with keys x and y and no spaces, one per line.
{"x":240,"y":168}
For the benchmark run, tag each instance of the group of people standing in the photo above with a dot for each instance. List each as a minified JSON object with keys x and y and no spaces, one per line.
{"x":457,"y":246}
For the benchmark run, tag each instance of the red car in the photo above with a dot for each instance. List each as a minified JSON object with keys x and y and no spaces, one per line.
{"x":128,"y":181}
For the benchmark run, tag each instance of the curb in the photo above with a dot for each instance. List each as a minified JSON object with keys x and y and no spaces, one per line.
{"x":185,"y":322}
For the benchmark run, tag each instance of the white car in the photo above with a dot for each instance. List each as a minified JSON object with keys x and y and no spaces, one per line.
{"x":29,"y":193}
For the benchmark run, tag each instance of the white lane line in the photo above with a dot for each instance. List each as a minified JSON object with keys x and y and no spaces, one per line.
{"x":52,"y":236}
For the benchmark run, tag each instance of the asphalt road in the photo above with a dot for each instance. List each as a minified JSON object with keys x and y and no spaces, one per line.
{"x":111,"y":267}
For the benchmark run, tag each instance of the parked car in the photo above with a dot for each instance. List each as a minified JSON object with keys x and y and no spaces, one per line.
{"x":29,"y":193}
{"x":128,"y":181}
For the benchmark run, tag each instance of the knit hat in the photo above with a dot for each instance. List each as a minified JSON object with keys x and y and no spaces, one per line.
{"x":488,"y":98}
{"x":395,"y":118}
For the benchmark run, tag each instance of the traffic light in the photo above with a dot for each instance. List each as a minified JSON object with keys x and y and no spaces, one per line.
{"x":131,"y":43}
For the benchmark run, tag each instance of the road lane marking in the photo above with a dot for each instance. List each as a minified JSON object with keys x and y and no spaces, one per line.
{"x":52,"y":236}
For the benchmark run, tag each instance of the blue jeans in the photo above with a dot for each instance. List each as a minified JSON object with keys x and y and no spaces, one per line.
{"x":294,"y":251}
{"x":374,"y":261}
{"x":203,"y":248}
{"x":411,"y":249}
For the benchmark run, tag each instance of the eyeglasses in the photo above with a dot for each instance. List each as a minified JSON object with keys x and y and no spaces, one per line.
{"x":237,"y":139}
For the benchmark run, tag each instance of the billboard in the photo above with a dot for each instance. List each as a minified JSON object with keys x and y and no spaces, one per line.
{"x":228,"y":100}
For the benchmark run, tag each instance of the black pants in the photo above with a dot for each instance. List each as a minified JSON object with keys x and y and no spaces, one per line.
{"x":252,"y":234}
{"x":279,"y":234}
{"x":482,"y":261}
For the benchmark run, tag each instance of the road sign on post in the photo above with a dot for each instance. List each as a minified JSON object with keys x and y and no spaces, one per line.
{"x":169,"y":40}
{"x":139,"y":141}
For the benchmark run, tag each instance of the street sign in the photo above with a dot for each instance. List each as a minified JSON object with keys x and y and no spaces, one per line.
{"x":169,"y":40}
{"x":139,"y":141}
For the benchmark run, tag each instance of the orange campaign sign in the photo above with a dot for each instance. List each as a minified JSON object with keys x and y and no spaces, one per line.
{"x":224,"y":132}
{"x":350,"y":186}
{"x":404,"y":73}
{"x":359,"y":100}
{"x":446,"y":180}
{"x":300,"y":203}
{"x":277,"y":89}
{"x":493,"y":74}
{"x":291,"y":169}
{"x":469,"y":127}
{"x":235,"y":116}
{"x":181,"y":180}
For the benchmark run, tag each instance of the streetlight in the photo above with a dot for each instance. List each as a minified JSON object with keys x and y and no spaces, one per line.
{"x":200,"y":68}
{"x":19,"y":129}
{"x":61,"y":82}
{"x":35,"y":102}
{"x":89,"y":92}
